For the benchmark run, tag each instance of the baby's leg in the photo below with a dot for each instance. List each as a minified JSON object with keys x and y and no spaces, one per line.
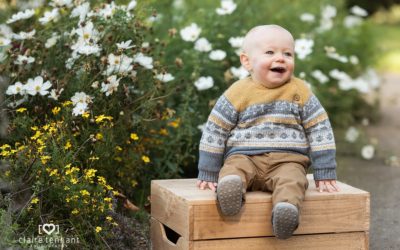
{"x":234,"y":177}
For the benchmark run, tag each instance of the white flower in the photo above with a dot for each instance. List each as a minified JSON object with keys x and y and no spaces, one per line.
{"x":352,"y":134}
{"x":307,"y":17}
{"x":21,"y":59}
{"x":17,"y":88}
{"x":81,"y":97}
{"x":367,"y":152}
{"x":119,"y":64}
{"x":239,"y":72}
{"x":339,"y":75}
{"x":325,"y":24}
{"x":204,"y":82}
{"x":302,"y":75}
{"x":217,"y":55}
{"x":88,"y":33}
{"x":201,"y":126}
{"x":352,"y":21}
{"x":125,"y":45}
{"x":36,"y":86}
{"x":334,"y":55}
{"x":190,"y":33}
{"x":203,"y":45}
{"x":52,"y":41}
{"x":79,"y":109}
{"x":25,"y":35}
{"x":321,"y":77}
{"x":108,"y":10}
{"x":85,"y":49}
{"x":329,"y":12}
{"x":4,"y":41}
{"x":354,"y":59}
{"x":54,"y":94}
{"x":131,"y":5}
{"x":303,"y":47}
{"x":143,"y":60}
{"x":358,"y":11}
{"x":21,"y":15}
{"x":145,"y":44}
{"x":6,"y":31}
{"x":81,"y":11}
{"x":61,"y":3}
{"x":372,"y":77}
{"x":165,"y":77}
{"x":361,"y":85}
{"x":112,"y":85}
{"x":236,"y":42}
{"x":50,"y":16}
{"x":227,"y":7}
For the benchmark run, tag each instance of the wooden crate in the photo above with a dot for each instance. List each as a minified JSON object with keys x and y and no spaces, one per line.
{"x":327,"y":220}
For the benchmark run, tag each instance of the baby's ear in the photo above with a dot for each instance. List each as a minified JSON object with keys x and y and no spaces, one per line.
{"x":245,"y":61}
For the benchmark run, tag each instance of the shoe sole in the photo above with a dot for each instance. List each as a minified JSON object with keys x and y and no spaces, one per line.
{"x":230,"y":195}
{"x":285,"y":220}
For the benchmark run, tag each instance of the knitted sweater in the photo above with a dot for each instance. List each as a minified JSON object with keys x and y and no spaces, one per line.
{"x":251,"y":119}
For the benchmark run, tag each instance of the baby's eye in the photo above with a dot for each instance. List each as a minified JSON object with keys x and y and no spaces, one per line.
{"x":269,"y":52}
{"x":288,"y":54}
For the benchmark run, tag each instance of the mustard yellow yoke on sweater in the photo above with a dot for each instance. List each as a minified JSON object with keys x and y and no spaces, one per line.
{"x":252,"y":119}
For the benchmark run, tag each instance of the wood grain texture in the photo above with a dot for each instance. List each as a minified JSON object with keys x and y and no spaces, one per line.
{"x":193,"y":213}
{"x":336,"y":241}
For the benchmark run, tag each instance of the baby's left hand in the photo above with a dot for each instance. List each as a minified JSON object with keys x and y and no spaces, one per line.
{"x":328,"y":185}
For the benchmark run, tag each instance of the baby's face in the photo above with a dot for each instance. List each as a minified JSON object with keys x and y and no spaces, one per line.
{"x":270,"y":55}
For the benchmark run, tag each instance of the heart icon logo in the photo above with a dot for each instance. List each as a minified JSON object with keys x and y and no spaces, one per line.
{"x":48,"y":228}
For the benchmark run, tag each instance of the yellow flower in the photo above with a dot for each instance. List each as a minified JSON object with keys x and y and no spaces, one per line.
{"x":56,"y":110}
{"x":54,"y":172}
{"x":163,"y":131}
{"x":175,"y":123}
{"x":146,"y":159}
{"x":101,"y":180}
{"x":99,"y":136}
{"x":86,"y":115}
{"x":134,"y":183}
{"x":107,"y":199}
{"x":67,"y":200}
{"x":37,"y":135}
{"x":100,"y":118}
{"x":7,"y":173}
{"x":94,"y":158}
{"x":35,"y":200}
{"x":134,"y":136}
{"x":68,"y":145}
{"x":66,"y":188}
{"x":90,"y":173}
{"x":67,"y":103}
{"x":21,"y":110}
{"x":84,"y":192}
{"x":34,"y":128}
{"x":118,"y":159}
{"x":98,"y":229}
{"x":118,"y":148}
{"x":75,"y":211}
{"x":109,"y":218}
{"x":74,"y":180}
{"x":5,"y":146}
{"x":45,"y":158}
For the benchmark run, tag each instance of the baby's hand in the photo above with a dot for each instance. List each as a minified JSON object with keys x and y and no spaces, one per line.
{"x":206,"y":184}
{"x":328,"y":185}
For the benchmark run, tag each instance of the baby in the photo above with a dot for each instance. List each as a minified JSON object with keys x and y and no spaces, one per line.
{"x":265,"y":131}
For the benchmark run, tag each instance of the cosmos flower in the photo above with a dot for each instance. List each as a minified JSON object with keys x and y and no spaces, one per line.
{"x":202,"y":45}
{"x":190,"y":33}
{"x":217,"y":55}
{"x":143,"y":60}
{"x":204,"y":82}
{"x":21,"y":59}
{"x":167,"y":77}
{"x":49,"y":16}
{"x":36,"y":86}
{"x":303,"y":47}
{"x":15,"y":89}
{"x":21,"y":15}
{"x":239,"y":72}
{"x":227,"y":7}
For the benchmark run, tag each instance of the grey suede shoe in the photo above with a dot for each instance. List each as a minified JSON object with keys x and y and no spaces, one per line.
{"x":230,"y":194}
{"x":285,"y":219}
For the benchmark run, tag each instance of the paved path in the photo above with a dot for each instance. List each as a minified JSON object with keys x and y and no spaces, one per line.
{"x":382,"y":181}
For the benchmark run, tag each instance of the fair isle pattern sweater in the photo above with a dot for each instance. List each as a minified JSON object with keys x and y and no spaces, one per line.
{"x":251,"y":119}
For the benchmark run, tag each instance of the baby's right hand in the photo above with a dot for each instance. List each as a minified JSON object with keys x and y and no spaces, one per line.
{"x":206,"y":184}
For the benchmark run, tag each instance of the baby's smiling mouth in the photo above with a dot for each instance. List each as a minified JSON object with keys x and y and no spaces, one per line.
{"x":278,"y":69}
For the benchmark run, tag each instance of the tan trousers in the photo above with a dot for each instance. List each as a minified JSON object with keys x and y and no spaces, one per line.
{"x":283,"y":174}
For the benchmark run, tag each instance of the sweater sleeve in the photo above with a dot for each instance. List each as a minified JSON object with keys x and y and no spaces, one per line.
{"x":221,"y":121}
{"x":320,"y":136}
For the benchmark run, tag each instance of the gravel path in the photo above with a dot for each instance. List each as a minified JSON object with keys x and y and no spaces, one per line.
{"x":382,"y":181}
